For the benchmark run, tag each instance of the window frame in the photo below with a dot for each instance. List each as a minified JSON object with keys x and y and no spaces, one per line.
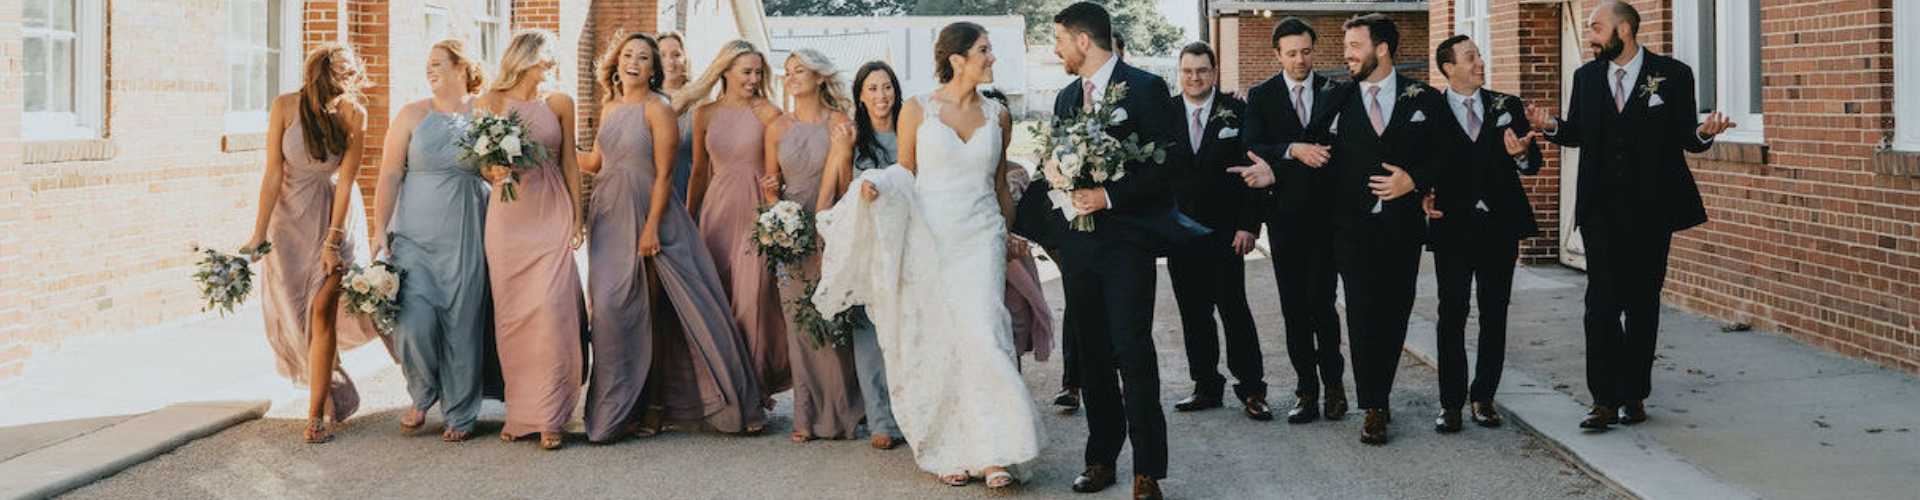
{"x":1472,"y":18}
{"x":501,"y":21}
{"x":1906,"y":77}
{"x":1732,"y":76}
{"x":255,"y":120}
{"x":87,"y":118}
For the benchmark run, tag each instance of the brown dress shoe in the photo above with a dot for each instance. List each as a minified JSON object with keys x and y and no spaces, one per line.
{"x":1146,"y":488}
{"x":1600,"y":417}
{"x":1336,"y":405}
{"x":1198,"y":402}
{"x":1633,"y":413}
{"x":1485,"y":415}
{"x":1094,"y":479}
{"x":1306,"y":408}
{"x":1374,"y":430}
{"x":1256,"y":408}
{"x":1448,"y":422}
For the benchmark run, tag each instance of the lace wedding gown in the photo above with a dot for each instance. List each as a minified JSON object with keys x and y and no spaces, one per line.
{"x":928,"y":259}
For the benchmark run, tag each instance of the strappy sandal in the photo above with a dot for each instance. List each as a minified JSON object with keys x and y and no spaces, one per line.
{"x":799,"y":437}
{"x":999,"y":478}
{"x":455,"y":436}
{"x":317,"y":431}
{"x":883,"y":442}
{"x":551,"y":440}
{"x":419,"y":419}
{"x":960,"y":479}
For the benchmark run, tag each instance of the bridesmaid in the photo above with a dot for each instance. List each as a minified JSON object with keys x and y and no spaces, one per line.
{"x":538,"y":312}
{"x":800,"y":147}
{"x":314,"y":136}
{"x":640,"y":234}
{"x":1026,"y":300}
{"x":429,"y":212}
{"x":876,"y":104}
{"x":727,"y":186}
{"x":673,"y":61}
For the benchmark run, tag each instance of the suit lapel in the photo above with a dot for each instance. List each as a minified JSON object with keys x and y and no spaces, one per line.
{"x":1489,"y":114}
{"x":1403,"y":109}
{"x":1454,"y":119}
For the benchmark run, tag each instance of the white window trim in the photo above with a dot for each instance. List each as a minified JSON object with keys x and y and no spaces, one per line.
{"x":253,"y":122}
{"x":503,"y":28}
{"x":430,"y":12}
{"x":1733,"y":80}
{"x":1471,"y":18}
{"x":293,"y":47}
{"x":89,"y":92}
{"x":1906,"y":76}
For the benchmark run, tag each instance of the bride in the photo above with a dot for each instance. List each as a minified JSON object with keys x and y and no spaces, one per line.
{"x":924,"y":247}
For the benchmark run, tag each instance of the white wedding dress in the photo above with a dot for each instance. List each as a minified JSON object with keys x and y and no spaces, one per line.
{"x":928,"y":259}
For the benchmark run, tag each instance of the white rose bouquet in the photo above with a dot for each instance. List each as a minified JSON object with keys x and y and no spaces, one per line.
{"x":1077,"y":152}
{"x":226,"y":279}
{"x":783,"y":233}
{"x":491,"y":139}
{"x":374,"y":291}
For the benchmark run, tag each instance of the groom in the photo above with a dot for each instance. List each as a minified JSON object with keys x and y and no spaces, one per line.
{"x":1109,"y":272}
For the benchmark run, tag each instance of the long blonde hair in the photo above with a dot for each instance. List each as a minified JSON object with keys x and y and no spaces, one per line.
{"x":529,"y":48}
{"x":832,"y":91}
{"x":320,"y":98}
{"x":699,"y":90}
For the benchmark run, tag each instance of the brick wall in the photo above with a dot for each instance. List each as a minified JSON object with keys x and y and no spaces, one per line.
{"x":14,"y":267}
{"x":605,"y":20}
{"x":1256,"y":62}
{"x":1807,"y":238}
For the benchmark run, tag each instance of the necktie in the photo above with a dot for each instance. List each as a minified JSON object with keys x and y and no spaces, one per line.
{"x":1373,"y":110}
{"x":1620,"y":89}
{"x":1300,"y":106}
{"x":1195,"y":130}
{"x":1473,"y":120}
{"x":1086,"y":94}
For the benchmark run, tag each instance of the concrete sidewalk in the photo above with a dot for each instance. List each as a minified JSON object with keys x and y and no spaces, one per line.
{"x":1763,"y":414}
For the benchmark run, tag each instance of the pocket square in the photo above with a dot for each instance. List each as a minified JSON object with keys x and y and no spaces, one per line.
{"x":1654,"y":102}
{"x":1503,"y":120}
{"x":1419,"y":116}
{"x":1334,"y":129}
{"x":1229,"y":133}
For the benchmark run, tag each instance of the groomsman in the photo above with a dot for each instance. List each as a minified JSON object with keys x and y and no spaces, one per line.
{"x":1295,"y":194}
{"x":1478,"y":213}
{"x":1633,"y":116}
{"x":1209,"y":273}
{"x":1380,"y":130}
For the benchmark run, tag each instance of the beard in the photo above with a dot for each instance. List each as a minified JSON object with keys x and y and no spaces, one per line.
{"x":1612,"y":49}
{"x":1367,"y":67}
{"x":1070,"y":62}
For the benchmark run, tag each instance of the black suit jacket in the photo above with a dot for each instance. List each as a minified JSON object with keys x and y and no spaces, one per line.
{"x":1469,"y":172}
{"x":1358,"y":153}
{"x":1634,"y":160}
{"x":1205,"y":190}
{"x":1271,"y":124}
{"x":1143,"y":215}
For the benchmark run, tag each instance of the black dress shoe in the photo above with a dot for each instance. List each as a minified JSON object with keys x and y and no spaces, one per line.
{"x":1374,"y":429}
{"x":1146,"y":488}
{"x":1633,"y":413}
{"x":1068,"y":399}
{"x":1600,"y":417}
{"x":1256,"y":408}
{"x":1336,"y":406}
{"x":1198,"y":402}
{"x":1448,"y":422}
{"x":1485,"y":415}
{"x":1094,"y":479}
{"x":1306,"y":408}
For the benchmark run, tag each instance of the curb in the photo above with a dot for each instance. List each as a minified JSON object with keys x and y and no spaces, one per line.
{"x":1627,"y":460}
{"x":82,"y":460}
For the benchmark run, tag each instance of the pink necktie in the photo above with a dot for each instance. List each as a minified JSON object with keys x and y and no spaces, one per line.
{"x":1620,"y":89}
{"x":1195,"y":130}
{"x":1300,"y":106}
{"x":1086,"y":94}
{"x":1473,"y":120}
{"x":1373,"y":110}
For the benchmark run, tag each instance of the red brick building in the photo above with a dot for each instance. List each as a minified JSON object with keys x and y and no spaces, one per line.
{"x":1242,"y":33}
{"x":130,"y":128}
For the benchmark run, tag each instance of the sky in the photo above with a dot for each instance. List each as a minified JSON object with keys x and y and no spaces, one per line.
{"x":1183,"y":13}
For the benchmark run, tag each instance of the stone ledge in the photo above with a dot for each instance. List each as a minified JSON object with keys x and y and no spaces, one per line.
{"x":57,"y":151}
{"x":1736,"y":152}
{"x":1900,"y":163}
{"x":234,"y":143}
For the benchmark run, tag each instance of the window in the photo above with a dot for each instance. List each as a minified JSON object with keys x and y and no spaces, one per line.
{"x":490,"y":28}
{"x":255,"y":36}
{"x":1470,"y":19}
{"x":1720,"y":39}
{"x":62,"y":69}
{"x":1906,"y":76}
{"x":436,"y":24}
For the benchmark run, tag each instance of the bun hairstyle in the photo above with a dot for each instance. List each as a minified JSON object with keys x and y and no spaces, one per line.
{"x":954,"y":40}
{"x":607,"y":75}
{"x":529,"y":48}
{"x":321,"y":95}
{"x":457,"y":54}
{"x":832,"y":91}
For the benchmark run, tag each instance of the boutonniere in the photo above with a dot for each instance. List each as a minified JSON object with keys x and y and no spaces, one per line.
{"x":1224,"y":115}
{"x":1653,"y":84}
{"x":1326,"y":85}
{"x":1500,"y":101}
{"x":1413,"y":91}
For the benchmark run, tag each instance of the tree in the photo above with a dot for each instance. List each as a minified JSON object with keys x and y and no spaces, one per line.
{"x":839,"y":7}
{"x":1139,"y":21}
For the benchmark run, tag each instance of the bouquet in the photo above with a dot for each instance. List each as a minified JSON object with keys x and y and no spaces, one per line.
{"x":491,"y":139}
{"x":1077,"y":152}
{"x":784,"y":234}
{"x":821,"y":331}
{"x":374,"y":291}
{"x":225,"y":279}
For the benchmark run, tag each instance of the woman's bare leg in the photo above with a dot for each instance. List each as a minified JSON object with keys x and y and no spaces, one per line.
{"x":321,"y":350}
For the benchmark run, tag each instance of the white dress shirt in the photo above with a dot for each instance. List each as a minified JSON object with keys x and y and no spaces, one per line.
{"x":1389,"y":92}
{"x":1205,"y":108}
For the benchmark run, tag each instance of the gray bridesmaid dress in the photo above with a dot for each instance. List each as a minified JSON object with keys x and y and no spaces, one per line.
{"x":436,"y":238}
